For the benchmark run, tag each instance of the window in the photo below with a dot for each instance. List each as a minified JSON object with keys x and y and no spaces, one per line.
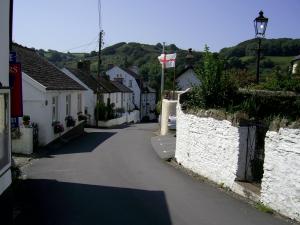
{"x":79,"y":102}
{"x":54,"y":108}
{"x":117,"y":97}
{"x":130,"y":83}
{"x":68,"y":105}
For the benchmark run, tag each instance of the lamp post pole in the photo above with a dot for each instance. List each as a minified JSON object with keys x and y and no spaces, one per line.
{"x":258,"y":60}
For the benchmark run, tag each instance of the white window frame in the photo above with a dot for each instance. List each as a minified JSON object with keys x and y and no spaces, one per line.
{"x":79,"y":102}
{"x":54,"y":108}
{"x":68,"y":105}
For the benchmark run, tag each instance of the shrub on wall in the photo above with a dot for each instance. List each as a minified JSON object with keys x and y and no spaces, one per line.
{"x":217,"y":89}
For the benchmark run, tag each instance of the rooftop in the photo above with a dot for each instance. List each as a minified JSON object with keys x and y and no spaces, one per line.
{"x":43,"y":71}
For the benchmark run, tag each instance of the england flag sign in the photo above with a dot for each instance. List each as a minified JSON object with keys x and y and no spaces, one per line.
{"x":167,"y":60}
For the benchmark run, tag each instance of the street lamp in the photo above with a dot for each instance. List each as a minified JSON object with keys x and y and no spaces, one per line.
{"x":260,"y":26}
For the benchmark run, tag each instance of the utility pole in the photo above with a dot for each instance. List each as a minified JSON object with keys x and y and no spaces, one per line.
{"x":99,"y":51}
{"x":98,"y":74}
{"x":162,"y":77}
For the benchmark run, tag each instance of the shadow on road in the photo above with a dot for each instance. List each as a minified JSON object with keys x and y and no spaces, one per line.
{"x":87,"y":143}
{"x":60,"y":203}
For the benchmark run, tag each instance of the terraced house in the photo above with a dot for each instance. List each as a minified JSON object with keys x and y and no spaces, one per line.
{"x":49,"y":95}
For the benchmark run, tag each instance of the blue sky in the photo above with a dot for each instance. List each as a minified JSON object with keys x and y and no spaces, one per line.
{"x":66,"y":24}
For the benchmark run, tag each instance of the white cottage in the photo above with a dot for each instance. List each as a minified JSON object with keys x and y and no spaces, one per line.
{"x":148,"y":102}
{"x":118,"y":94}
{"x":130,"y":79}
{"x":49,"y":95}
{"x":187,"y":79}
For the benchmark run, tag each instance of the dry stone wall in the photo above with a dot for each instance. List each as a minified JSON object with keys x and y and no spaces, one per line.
{"x":208,"y":147}
{"x":281,"y":180}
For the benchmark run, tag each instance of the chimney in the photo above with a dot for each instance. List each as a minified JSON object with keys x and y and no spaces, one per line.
{"x":134,"y":69}
{"x":189,"y":58}
{"x":109,"y":66}
{"x":84,"y":66}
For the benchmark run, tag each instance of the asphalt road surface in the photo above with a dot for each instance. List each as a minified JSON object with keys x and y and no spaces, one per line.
{"x":113,"y":177}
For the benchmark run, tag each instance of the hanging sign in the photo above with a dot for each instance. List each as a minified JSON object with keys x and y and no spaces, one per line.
{"x":15,"y":83}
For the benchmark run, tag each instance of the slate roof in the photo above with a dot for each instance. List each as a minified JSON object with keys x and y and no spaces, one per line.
{"x":107,"y":85}
{"x":43,"y":71}
{"x":121,"y":87}
{"x":184,"y":70}
{"x":87,"y":79}
{"x":102,"y":84}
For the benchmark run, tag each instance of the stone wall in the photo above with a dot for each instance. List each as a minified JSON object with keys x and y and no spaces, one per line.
{"x":132,"y":117}
{"x":216,"y":150}
{"x":208,"y":147}
{"x":281,"y":180}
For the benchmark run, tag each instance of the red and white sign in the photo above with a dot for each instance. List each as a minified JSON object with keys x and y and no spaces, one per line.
{"x":15,"y":83}
{"x":167,"y":60}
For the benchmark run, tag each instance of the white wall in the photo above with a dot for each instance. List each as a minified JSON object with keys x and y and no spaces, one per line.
{"x":187,"y":80}
{"x":37,"y":103}
{"x":116,"y":71}
{"x":150,"y":99}
{"x":89,"y":97}
{"x":212,"y":148}
{"x":216,"y":150}
{"x":5,"y":179}
{"x":4,"y":42}
{"x":281,"y":179}
{"x":126,"y":118}
{"x":295,"y":66}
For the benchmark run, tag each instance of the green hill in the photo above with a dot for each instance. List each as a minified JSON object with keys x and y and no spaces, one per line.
{"x":276,"y":53}
{"x":125,"y":55}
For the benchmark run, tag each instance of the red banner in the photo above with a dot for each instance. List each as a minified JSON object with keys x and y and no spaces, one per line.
{"x":15,"y":83}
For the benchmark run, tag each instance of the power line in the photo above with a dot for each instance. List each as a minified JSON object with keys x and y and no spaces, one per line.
{"x":99,"y":15}
{"x":84,"y":45}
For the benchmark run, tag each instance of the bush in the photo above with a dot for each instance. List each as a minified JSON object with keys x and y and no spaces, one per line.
{"x":105,"y":112}
{"x":26,"y":120}
{"x":280,"y":82}
{"x":70,"y":121}
{"x":217,"y":88}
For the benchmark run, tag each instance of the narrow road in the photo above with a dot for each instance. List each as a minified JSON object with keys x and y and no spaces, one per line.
{"x":113,"y":177}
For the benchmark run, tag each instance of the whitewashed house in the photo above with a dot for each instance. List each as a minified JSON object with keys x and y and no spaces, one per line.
{"x":5,"y":145}
{"x":126,"y":96}
{"x":148,"y":102}
{"x":128,"y":78}
{"x":90,"y":95}
{"x":49,"y":95}
{"x":118,"y":94}
{"x":187,"y":79}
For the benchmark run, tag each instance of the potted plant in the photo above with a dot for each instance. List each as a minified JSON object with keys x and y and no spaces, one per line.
{"x":26,"y":120}
{"x":70,"y":122}
{"x":81,"y":117}
{"x":57,"y":127}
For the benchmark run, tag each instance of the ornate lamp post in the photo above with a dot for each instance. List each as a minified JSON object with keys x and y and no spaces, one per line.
{"x":260,"y":26}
